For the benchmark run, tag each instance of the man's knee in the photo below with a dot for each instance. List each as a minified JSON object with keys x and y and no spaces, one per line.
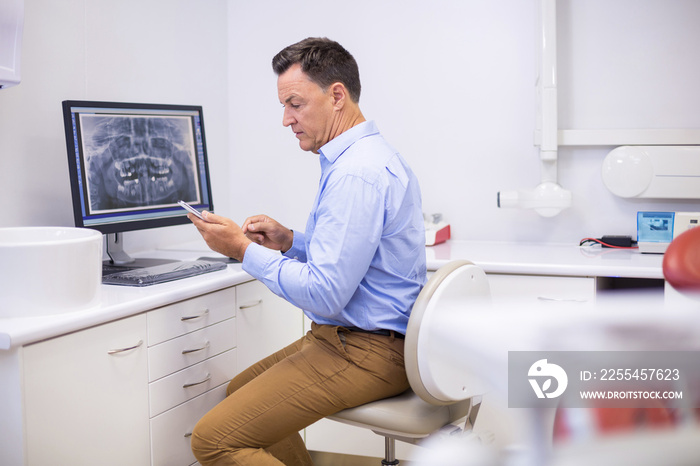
{"x":234,"y":385}
{"x":204,"y":447}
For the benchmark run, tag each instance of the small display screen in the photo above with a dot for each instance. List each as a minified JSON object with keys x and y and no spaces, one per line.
{"x":655,"y":227}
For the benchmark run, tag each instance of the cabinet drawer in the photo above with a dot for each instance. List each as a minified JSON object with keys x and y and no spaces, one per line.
{"x":170,"y":431}
{"x":250,"y":294}
{"x":173,"y":355}
{"x":187,"y":316}
{"x":537,"y":288}
{"x":181,"y":386}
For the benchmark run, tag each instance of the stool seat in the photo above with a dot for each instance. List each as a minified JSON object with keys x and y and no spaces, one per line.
{"x":405,"y":415}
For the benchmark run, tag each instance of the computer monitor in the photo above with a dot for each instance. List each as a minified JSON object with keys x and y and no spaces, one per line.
{"x":129,"y":165}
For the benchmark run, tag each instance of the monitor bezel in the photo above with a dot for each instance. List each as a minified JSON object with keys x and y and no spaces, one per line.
{"x":119,"y":227}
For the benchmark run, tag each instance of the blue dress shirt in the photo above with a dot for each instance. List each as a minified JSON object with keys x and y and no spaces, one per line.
{"x":361,"y":260}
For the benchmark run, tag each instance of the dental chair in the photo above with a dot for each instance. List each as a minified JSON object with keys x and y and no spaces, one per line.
{"x":437,"y":398}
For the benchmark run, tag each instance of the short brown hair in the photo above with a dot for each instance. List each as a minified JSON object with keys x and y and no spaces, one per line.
{"x":324,"y":61}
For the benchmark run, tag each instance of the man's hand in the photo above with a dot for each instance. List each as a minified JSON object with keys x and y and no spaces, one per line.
{"x":269,"y":233}
{"x":221,"y":234}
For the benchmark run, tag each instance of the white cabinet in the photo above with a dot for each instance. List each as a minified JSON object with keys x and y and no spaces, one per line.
{"x":265,"y":323}
{"x":173,"y":355}
{"x":540,"y":288}
{"x":183,"y":385}
{"x":170,"y":431}
{"x":128,"y":391}
{"x":196,"y":347}
{"x":192,"y":314}
{"x":86,"y":397}
{"x":191,"y":358}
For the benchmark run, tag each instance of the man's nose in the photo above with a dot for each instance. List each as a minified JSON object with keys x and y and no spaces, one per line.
{"x":287,"y":118}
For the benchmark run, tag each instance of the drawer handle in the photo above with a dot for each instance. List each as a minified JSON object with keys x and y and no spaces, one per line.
{"x":194,"y":384}
{"x":188,"y":351}
{"x":188,"y":435}
{"x":122,"y":350}
{"x":248,"y":306}
{"x":187,"y":318}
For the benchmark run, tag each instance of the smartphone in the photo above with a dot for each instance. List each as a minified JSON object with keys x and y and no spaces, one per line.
{"x":189,"y":208}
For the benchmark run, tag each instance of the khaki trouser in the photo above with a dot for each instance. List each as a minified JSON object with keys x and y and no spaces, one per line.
{"x":326,"y":371}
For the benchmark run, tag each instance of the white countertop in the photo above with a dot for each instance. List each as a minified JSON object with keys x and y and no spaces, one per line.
{"x":548,"y":259}
{"x":118,"y":302}
{"x":494,"y":257}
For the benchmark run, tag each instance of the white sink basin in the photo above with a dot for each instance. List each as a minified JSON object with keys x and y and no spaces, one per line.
{"x":49,"y":270}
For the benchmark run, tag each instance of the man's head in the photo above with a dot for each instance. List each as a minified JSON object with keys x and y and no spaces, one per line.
{"x":319,"y":86}
{"x":324,"y":62}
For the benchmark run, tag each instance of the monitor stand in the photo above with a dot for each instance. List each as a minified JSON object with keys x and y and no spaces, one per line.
{"x":117,"y":256}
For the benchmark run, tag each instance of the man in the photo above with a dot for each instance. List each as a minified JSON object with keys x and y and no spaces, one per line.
{"x":355,"y":272}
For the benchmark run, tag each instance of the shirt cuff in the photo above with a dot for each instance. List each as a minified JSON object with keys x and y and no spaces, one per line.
{"x":256,"y":259}
{"x":298,"y":249}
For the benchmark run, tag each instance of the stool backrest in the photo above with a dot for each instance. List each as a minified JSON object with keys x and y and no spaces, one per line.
{"x":430,"y":373}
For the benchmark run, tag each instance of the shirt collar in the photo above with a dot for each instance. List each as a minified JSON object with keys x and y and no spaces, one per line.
{"x":336,"y":146}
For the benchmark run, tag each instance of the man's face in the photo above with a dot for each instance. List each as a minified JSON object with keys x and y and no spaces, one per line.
{"x":307,"y":109}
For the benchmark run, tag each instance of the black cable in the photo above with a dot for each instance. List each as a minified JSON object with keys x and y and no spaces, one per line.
{"x":606,"y":244}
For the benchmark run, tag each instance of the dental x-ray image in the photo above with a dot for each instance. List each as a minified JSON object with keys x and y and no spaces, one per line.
{"x":138,"y":161}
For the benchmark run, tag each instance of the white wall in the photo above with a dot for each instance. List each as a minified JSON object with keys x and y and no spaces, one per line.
{"x":162,"y":51}
{"x":451,"y":85}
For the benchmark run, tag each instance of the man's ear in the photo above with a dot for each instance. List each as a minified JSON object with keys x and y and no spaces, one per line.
{"x":339,"y":94}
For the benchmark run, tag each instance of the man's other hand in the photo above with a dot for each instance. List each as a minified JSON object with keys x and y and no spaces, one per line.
{"x":268,"y":232}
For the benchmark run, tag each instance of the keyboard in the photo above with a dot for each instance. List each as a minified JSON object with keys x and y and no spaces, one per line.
{"x":153,"y":275}
{"x":108,"y":269}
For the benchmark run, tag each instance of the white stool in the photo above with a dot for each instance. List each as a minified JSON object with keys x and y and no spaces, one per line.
{"x":436,"y":398}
